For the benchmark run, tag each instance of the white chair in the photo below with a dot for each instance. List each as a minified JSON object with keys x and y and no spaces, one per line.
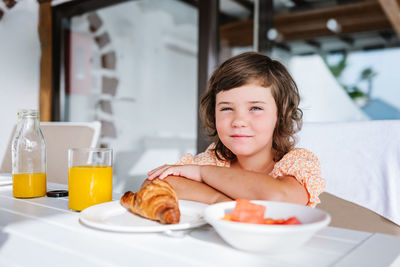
{"x":360,"y":163}
{"x":59,"y":137}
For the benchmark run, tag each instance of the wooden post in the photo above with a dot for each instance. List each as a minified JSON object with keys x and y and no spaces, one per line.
{"x":207,"y":56}
{"x":45,"y":37}
{"x":263,"y":22}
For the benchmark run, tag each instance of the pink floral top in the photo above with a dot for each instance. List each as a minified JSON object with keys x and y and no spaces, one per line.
{"x":299,"y":163}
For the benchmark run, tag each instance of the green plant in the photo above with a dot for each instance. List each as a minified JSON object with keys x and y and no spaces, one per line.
{"x":353,"y":90}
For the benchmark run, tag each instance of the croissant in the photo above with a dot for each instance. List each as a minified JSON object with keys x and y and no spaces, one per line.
{"x":156,"y":201}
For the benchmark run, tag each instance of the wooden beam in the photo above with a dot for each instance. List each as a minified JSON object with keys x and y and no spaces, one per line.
{"x":387,"y":35}
{"x":305,"y":25}
{"x":45,"y":37}
{"x":392,"y":11}
{"x":314,"y":44}
{"x":283,"y":47}
{"x":347,"y":40}
{"x":238,"y":33}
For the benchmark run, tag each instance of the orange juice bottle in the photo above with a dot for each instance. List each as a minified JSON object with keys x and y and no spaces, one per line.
{"x":28,"y":157}
{"x":89,"y":185}
{"x":29,"y":185}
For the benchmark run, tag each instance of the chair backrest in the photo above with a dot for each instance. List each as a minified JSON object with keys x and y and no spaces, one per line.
{"x":346,"y":214}
{"x":59,"y":137}
{"x":360,"y":162}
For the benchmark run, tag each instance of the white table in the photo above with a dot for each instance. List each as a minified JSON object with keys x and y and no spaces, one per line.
{"x":43,"y":232}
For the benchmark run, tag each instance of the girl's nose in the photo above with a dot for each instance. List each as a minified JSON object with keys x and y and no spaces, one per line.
{"x":239,"y":121}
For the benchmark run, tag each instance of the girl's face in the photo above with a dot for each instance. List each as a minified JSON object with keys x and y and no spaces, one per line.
{"x":245,"y":119}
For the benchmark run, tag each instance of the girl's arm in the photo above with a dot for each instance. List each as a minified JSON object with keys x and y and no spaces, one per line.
{"x":192,"y":190}
{"x":238,"y":183}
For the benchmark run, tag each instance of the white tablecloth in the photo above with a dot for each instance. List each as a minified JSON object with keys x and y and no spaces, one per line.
{"x":43,"y":232}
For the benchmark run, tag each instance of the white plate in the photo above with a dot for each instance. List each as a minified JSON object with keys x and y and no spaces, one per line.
{"x":112,"y":216}
{"x":5,"y":178}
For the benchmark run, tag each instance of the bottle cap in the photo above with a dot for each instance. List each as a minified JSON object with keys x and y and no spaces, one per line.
{"x":57,"y":193}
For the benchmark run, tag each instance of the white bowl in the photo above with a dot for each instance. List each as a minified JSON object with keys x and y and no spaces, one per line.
{"x":268,"y":238}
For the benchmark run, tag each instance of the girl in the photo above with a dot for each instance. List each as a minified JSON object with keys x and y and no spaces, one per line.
{"x":251,"y":111}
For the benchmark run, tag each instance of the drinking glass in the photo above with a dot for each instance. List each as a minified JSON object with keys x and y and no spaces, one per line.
{"x":89,"y":177}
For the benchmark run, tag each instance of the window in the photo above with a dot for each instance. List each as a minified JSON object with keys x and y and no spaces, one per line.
{"x":133,"y":66}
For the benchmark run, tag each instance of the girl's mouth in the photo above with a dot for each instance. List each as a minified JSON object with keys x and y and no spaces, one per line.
{"x":240,"y":136}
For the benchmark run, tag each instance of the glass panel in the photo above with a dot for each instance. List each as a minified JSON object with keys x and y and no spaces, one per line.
{"x":133,"y":66}
{"x":360,"y":85}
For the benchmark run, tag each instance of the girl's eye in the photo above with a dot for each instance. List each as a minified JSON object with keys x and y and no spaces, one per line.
{"x":225,"y":109}
{"x":256,"y":108}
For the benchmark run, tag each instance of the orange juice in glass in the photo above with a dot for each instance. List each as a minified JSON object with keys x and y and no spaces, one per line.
{"x":89,"y":177}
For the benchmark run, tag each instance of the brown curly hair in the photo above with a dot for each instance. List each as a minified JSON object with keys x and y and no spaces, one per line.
{"x":251,"y":67}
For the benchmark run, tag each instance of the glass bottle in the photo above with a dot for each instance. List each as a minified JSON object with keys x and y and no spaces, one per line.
{"x":28,"y":157}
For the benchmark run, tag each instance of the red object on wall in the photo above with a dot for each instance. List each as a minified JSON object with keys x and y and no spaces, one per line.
{"x":79,"y":64}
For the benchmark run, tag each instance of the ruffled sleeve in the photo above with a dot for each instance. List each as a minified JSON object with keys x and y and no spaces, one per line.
{"x":305,"y":167}
{"x":207,"y":157}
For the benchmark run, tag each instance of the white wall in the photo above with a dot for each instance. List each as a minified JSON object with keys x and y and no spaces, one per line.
{"x":19,"y":64}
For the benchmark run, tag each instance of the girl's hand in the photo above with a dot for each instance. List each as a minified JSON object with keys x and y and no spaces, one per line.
{"x":188,"y":171}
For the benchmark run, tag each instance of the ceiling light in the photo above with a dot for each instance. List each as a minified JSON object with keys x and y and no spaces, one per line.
{"x":333,"y":25}
{"x":272,"y":34}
